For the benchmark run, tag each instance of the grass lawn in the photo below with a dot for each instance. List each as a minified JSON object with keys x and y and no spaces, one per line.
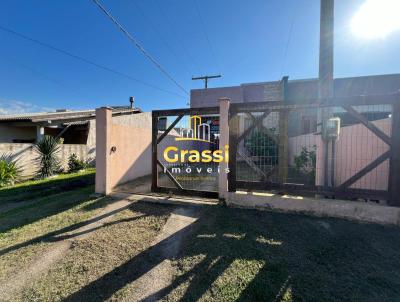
{"x":228,"y":254}
{"x":248,"y":255}
{"x":25,"y":232}
{"x":28,"y":190}
{"x":35,"y":226}
{"x":127,"y":234}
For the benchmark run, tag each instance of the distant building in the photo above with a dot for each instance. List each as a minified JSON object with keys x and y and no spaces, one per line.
{"x":74,"y":127}
{"x":77,"y":130}
{"x":303,"y":91}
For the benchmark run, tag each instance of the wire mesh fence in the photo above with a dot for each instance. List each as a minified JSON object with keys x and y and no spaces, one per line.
{"x":311,"y":147}
{"x":340,"y":148}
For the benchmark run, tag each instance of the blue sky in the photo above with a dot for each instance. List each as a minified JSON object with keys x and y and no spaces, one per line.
{"x":250,"y":41}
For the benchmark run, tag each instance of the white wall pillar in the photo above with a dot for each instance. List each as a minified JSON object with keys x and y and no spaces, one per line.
{"x":39,"y":133}
{"x":103,"y":150}
{"x":223,"y":140}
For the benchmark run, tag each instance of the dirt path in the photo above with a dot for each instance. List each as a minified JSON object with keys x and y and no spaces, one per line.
{"x":59,"y":249}
{"x":39,"y":266}
{"x":146,"y":287}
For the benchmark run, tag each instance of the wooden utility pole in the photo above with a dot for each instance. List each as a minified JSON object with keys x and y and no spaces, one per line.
{"x":326,"y":49}
{"x":205,"y":78}
{"x":325,"y":87}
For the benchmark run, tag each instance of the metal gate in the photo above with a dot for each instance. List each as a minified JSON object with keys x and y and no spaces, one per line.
{"x":179,"y":138}
{"x":339,"y":147}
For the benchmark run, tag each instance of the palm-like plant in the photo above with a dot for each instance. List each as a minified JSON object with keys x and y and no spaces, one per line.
{"x":48,"y":161}
{"x":10,"y":171}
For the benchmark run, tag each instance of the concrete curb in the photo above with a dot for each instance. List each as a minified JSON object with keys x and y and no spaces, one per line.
{"x":165,"y":200}
{"x":351,"y":210}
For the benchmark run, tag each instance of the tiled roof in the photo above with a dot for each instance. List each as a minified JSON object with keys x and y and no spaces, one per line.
{"x":60,"y":116}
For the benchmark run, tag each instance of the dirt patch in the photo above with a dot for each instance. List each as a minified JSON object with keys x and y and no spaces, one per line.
{"x":40,"y":265}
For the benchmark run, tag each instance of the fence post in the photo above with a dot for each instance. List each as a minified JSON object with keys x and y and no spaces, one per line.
{"x":103,"y":147}
{"x":154,"y":169}
{"x":223,"y":141}
{"x":283,"y":146}
{"x":394,"y":168}
{"x":233,"y":145}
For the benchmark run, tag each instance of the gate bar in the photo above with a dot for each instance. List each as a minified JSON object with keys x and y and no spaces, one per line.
{"x":165,"y":133}
{"x":154,"y":133}
{"x":233,"y":146}
{"x":394,"y":168}
{"x":368,"y":168}
{"x":362,"y":119}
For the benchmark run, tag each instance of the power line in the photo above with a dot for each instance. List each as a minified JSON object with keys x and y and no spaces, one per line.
{"x":138,"y":46}
{"x":287,"y":44}
{"x":178,"y":37}
{"x":164,"y":41}
{"x":85,"y":60}
{"x":203,"y":26}
{"x":40,"y":74}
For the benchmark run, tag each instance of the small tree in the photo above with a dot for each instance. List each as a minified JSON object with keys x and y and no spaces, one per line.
{"x":48,"y":161}
{"x":10,"y":172}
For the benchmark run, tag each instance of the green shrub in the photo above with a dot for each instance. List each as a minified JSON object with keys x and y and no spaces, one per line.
{"x":75,"y":164}
{"x":261,"y":145}
{"x":48,"y":161}
{"x":305,"y":162}
{"x":10,"y":172}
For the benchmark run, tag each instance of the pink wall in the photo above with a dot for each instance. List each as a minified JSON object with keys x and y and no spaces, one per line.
{"x":132,"y":158}
{"x":131,"y":136}
{"x":103,"y":130}
{"x":356,"y":147}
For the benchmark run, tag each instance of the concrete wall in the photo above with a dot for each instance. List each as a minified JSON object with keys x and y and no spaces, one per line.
{"x":351,"y":210}
{"x":130,"y":138}
{"x":26,"y":155}
{"x":131,"y":135}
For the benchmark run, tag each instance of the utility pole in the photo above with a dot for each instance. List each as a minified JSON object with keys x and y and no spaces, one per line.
{"x":325,"y":87}
{"x":205,"y":78}
{"x":326,"y":49}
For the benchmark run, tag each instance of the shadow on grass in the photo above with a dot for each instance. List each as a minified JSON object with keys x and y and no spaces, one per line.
{"x":69,"y":232}
{"x":40,"y":188}
{"x":299,"y":258}
{"x":44,"y":207}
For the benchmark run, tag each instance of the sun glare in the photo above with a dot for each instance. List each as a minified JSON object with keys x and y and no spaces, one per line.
{"x":376,"y":19}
